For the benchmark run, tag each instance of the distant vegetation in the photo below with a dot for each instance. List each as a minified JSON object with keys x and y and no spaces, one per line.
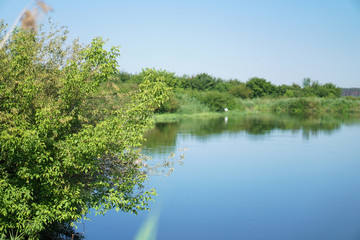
{"x":205,"y":93}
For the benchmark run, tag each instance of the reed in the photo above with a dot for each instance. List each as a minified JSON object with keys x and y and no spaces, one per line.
{"x":29,"y":18}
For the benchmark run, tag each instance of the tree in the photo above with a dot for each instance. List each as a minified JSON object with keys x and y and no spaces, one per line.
{"x":314,"y":88}
{"x":217,"y":101}
{"x":240,"y":91}
{"x":306,"y":82}
{"x":260,"y":87}
{"x":202,"y":82}
{"x":63,"y":149}
{"x":332,"y":90}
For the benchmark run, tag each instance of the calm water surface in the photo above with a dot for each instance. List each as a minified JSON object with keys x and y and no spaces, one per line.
{"x":251,"y":178}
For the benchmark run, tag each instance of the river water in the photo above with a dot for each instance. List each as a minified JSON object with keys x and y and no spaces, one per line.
{"x":249,"y":177}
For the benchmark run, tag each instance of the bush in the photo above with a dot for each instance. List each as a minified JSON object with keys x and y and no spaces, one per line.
{"x":302,"y":105}
{"x":260,"y":87}
{"x":189,"y":102}
{"x":170,"y":106}
{"x":217,"y":101}
{"x":240,"y":91}
{"x":315,"y":89}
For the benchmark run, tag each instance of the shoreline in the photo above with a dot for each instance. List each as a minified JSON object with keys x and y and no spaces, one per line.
{"x":293,"y":107}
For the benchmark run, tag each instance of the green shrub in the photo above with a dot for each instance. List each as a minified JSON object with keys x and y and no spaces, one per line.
{"x":188,"y":102}
{"x":240,"y":91}
{"x":302,"y":105}
{"x":170,"y":106}
{"x":260,"y":87}
{"x":289,"y":93}
{"x":217,"y":101}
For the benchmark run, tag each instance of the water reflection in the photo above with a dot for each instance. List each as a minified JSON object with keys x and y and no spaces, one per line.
{"x":163,"y":136}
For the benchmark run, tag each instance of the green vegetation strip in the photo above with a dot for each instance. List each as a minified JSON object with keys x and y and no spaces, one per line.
{"x":290,"y":106}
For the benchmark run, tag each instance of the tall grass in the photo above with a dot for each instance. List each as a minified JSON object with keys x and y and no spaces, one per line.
{"x":190,"y":105}
{"x":29,"y":18}
{"x":303,"y":105}
{"x":192,"y":108}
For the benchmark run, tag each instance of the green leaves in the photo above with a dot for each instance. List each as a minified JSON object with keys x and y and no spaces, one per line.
{"x":63,"y":151}
{"x":260,"y":87}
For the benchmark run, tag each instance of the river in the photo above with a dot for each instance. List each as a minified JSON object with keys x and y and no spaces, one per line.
{"x":249,"y":177}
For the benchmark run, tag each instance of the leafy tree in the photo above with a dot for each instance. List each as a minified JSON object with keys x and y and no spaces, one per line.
{"x":332,"y":90}
{"x":315,"y":89}
{"x":170,"y":106}
{"x":306,"y":82}
{"x":260,"y":87}
{"x":203,"y":81}
{"x":240,"y":91}
{"x":220,"y":85}
{"x":217,"y":101}
{"x":63,"y":151}
{"x":170,"y":79}
{"x":289,"y":93}
{"x":136,"y":78}
{"x":124,"y":77}
{"x":296,"y":89}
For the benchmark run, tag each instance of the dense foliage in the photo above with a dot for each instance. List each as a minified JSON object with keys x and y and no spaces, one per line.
{"x":66,"y":144}
{"x":217,"y":94}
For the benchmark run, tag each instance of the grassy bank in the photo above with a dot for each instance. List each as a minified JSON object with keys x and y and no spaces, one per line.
{"x":206,"y":96}
{"x":191,"y":108}
{"x":303,"y":105}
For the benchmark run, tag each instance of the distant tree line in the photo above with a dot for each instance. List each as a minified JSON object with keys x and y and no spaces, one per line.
{"x":253,"y":88}
{"x":217,"y":93}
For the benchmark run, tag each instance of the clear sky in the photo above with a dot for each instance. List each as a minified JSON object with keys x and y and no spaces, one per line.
{"x":282,"y":41}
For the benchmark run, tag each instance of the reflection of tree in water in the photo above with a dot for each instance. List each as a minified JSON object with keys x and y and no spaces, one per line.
{"x":164,"y":134}
{"x":257,"y":125}
{"x":162,"y":138}
{"x":309,"y":126}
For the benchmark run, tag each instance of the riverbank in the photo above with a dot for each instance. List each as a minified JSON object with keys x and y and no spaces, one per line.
{"x":311,"y":105}
{"x":332,"y":107}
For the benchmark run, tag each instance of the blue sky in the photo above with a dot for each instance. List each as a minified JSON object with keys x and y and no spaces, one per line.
{"x":279,"y":40}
